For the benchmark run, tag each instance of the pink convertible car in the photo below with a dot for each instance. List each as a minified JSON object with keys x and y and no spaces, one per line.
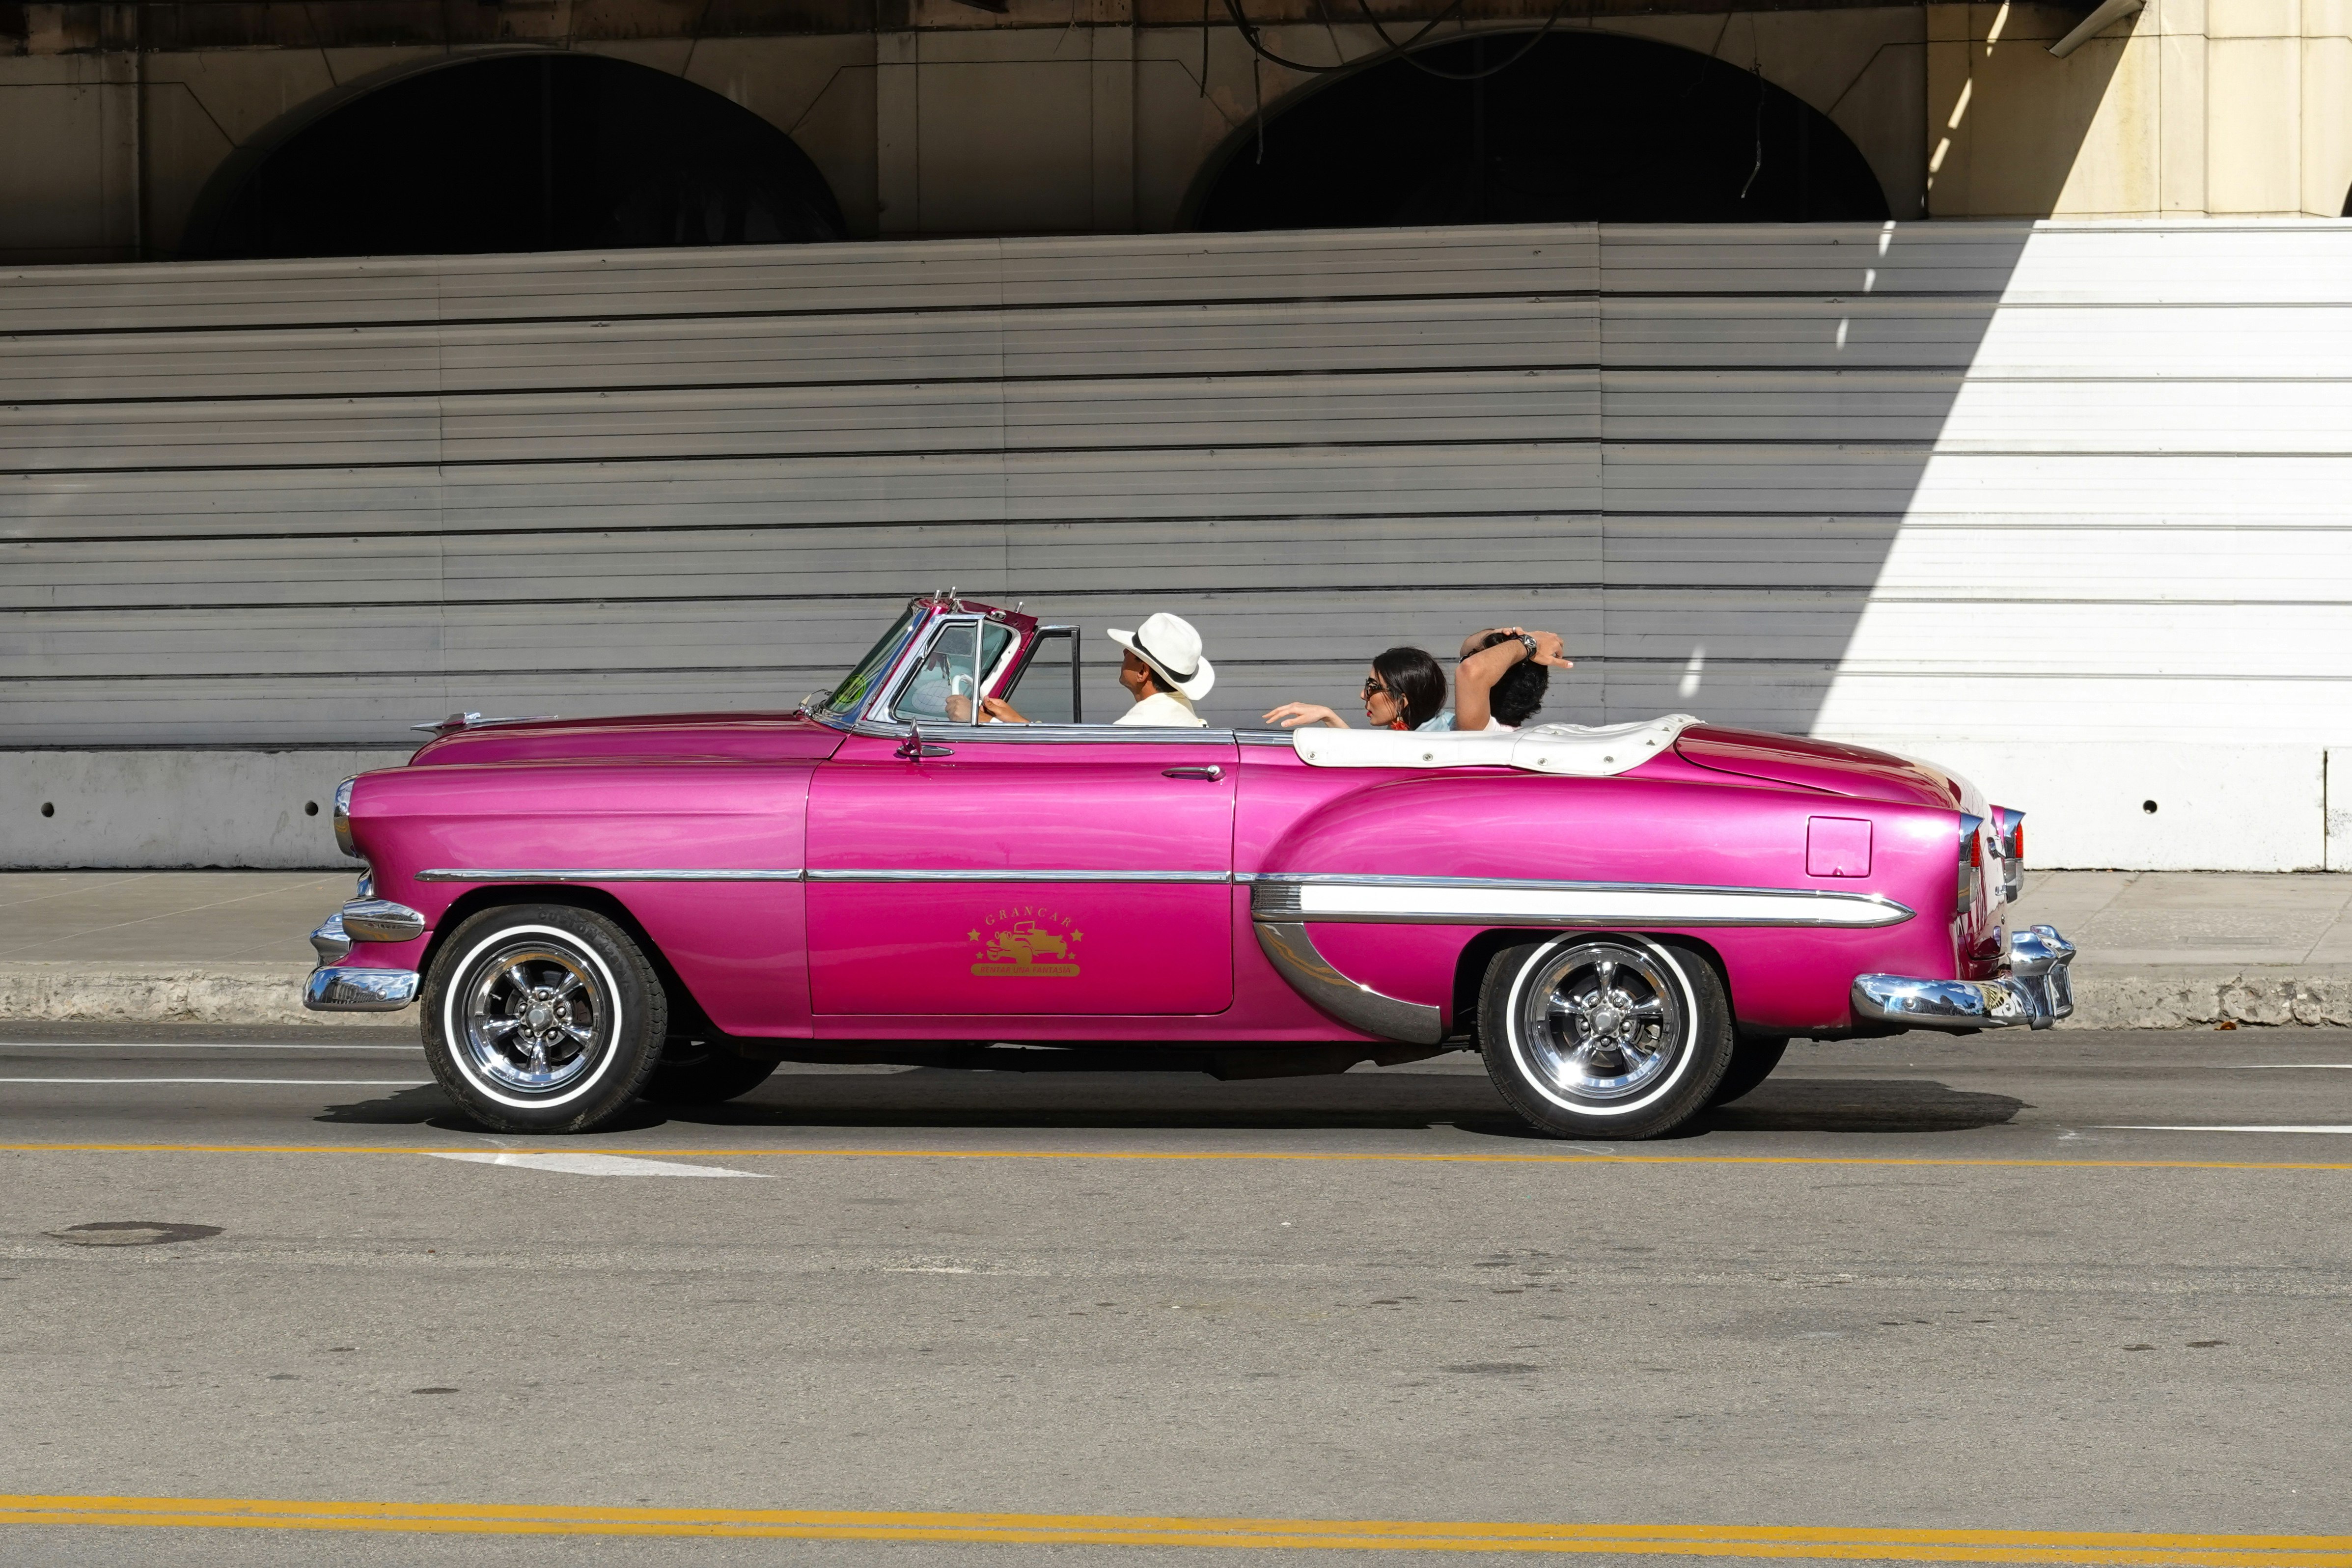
{"x":1629,"y":922}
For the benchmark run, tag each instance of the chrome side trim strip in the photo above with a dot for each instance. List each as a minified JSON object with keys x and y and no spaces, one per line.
{"x":569,"y":875}
{"x":1479,"y":901}
{"x":339,"y":990}
{"x":852,"y":875}
{"x":1050,"y":733}
{"x":1293,"y":953}
{"x":1087,"y":876}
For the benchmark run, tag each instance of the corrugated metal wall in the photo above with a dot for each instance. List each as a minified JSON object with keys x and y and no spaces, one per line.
{"x":1956,"y":484}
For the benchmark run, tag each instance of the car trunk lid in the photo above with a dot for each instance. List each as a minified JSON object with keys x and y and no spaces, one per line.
{"x":1830,"y":767}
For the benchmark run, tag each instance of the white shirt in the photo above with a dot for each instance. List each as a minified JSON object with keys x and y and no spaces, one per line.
{"x":1445,"y":721}
{"x":1164,"y":710}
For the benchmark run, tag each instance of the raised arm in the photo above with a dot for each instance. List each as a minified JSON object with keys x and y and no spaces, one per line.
{"x":1475,"y":677}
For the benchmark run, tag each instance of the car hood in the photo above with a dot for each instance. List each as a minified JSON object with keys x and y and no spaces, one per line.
{"x":638,"y":737}
{"x":1823,"y":765}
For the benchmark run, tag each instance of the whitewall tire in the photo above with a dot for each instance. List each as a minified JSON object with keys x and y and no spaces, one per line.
{"x":1593,"y":1036}
{"x":542,"y":1018}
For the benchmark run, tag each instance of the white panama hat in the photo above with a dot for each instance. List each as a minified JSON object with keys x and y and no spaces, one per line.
{"x":1170,"y":645}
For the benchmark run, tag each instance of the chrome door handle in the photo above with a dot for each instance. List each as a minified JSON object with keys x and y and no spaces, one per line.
{"x":1212,"y":773}
{"x":912,"y":748}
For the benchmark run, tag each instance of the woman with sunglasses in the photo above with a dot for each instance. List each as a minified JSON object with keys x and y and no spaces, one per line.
{"x":1404,"y":689}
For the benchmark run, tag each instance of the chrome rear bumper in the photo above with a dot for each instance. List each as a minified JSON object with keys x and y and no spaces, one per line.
{"x":334,"y":990}
{"x":2036,"y":992}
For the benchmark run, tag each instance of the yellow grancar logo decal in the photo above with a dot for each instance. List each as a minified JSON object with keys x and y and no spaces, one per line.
{"x":1026,"y":942}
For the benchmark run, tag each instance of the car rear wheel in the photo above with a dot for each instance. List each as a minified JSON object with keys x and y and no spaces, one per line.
{"x":1604,"y":1036}
{"x":1752,"y":1061}
{"x":542,"y":1018}
{"x":696,"y":1072}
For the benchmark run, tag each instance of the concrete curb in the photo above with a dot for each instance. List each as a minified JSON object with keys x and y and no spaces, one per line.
{"x":219,"y":993}
{"x":225,"y":993}
{"x":2203,"y":997}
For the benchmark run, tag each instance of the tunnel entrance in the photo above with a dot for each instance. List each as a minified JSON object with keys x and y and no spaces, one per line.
{"x":1582,"y":127}
{"x":523,"y":152}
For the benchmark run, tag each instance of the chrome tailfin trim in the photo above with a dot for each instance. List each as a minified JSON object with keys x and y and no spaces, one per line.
{"x":1294,"y":955}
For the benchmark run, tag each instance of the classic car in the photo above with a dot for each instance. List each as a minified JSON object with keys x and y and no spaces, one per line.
{"x":1630,"y":921}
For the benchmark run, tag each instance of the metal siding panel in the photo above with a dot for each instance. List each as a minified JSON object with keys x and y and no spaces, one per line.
{"x":1853,"y":476}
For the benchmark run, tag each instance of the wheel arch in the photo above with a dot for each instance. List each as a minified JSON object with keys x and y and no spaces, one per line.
{"x":686,"y":1014}
{"x":1470,"y":965}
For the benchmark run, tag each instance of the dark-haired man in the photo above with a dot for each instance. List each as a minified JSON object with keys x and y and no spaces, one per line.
{"x":1503,"y":676}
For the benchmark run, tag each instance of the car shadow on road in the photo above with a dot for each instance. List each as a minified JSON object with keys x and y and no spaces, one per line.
{"x":1837,"y":1105}
{"x":956,"y":1098}
{"x":1858,"y":1106}
{"x":428,"y":1106}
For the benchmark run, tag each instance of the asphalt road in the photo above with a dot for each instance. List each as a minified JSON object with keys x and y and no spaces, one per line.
{"x":1922,"y":1284}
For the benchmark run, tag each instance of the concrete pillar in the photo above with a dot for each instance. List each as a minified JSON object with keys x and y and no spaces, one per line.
{"x":1111,"y":44}
{"x":2193,"y":107}
{"x":897,"y":134}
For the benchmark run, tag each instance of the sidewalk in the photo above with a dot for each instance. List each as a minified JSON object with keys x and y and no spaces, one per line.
{"x":2159,"y":949}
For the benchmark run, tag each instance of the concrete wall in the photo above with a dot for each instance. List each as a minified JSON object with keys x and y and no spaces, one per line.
{"x":2219,"y":107}
{"x":177,"y":807}
{"x":1059,"y":119}
{"x":1076,"y":116}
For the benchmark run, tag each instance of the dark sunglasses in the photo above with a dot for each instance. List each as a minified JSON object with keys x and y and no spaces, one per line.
{"x":1372,"y":688}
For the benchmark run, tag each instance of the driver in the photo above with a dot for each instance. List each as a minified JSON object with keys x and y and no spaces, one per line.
{"x":1162,"y":669}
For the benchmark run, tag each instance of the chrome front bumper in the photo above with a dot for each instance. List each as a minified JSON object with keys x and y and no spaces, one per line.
{"x":332,"y":988}
{"x":2036,"y":992}
{"x":339,"y":990}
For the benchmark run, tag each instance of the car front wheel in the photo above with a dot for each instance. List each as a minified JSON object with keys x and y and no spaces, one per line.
{"x":1604,"y":1036}
{"x":542,"y":1018}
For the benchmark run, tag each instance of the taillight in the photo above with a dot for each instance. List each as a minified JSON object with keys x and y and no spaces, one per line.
{"x":1972,"y":848}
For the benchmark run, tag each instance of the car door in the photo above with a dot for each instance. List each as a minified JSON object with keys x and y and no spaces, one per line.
{"x":1041,"y":869}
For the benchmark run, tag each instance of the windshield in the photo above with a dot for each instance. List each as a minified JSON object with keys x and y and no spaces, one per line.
{"x":850,"y":697}
{"x":952,"y":670}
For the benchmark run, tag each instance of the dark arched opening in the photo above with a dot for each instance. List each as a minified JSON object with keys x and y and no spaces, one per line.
{"x":1587,"y":127}
{"x":523,"y":152}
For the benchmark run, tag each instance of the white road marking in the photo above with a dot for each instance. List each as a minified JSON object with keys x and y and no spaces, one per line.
{"x":306,"y":1083}
{"x":597,"y":1165}
{"x":2140,"y":1127}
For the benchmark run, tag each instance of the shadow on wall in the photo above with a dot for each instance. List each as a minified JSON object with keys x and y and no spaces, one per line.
{"x":523,"y":152}
{"x":1765,"y":404}
{"x":1514,"y":129}
{"x":1686,"y":447}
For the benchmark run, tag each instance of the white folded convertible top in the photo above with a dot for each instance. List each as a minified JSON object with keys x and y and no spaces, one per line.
{"x":1587,"y":751}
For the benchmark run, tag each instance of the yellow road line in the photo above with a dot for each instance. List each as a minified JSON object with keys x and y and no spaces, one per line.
{"x":1334,"y":1157}
{"x":2197,"y":1551}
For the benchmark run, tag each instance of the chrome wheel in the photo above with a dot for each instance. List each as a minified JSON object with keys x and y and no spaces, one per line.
{"x":534,"y":1017}
{"x":1600,"y":1022}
